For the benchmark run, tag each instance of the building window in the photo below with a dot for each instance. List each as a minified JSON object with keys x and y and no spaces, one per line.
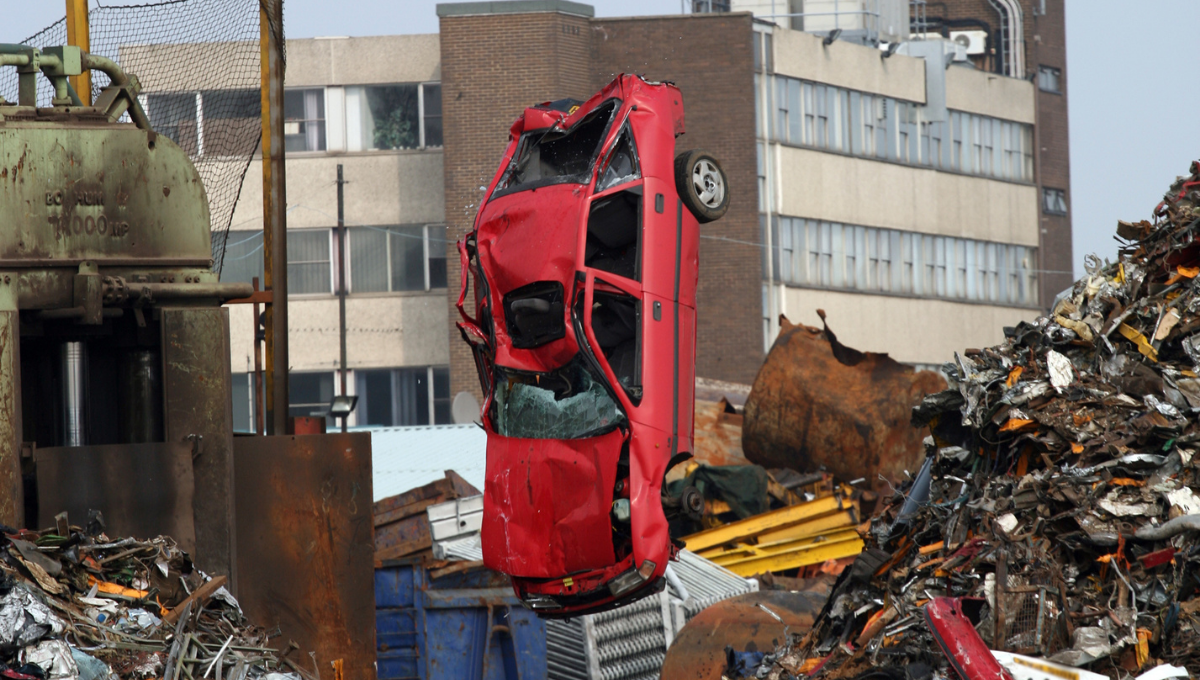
{"x":243,"y":259}
{"x":304,"y":119}
{"x":208,"y":122}
{"x":391,"y":397}
{"x":1054,"y":201}
{"x":392,"y":259}
{"x":403,"y":116}
{"x":1049,"y":79}
{"x":431,"y":114}
{"x":309,"y":394}
{"x":309,"y":271}
{"x":841,"y":256}
{"x":241,"y":385}
{"x":759,"y":36}
{"x":873,"y":126}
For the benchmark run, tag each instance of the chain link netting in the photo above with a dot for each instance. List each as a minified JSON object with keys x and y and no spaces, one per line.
{"x":198,"y":62}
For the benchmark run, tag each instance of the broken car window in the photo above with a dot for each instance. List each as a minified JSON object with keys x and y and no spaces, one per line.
{"x":614,"y":226}
{"x":568,"y":403}
{"x":556,"y":156}
{"x":615,"y":323}
{"x":621,"y":165}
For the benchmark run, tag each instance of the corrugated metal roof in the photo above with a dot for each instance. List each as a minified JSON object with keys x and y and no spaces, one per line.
{"x":404,"y":458}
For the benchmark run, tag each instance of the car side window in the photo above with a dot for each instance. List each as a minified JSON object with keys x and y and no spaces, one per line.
{"x":616,"y":323}
{"x":614,"y":234}
{"x":620,"y":166}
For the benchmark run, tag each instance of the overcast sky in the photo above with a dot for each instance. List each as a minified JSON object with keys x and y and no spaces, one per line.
{"x":1130,"y":78}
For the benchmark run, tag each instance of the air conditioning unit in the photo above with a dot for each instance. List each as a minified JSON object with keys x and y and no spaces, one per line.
{"x":974,"y":42}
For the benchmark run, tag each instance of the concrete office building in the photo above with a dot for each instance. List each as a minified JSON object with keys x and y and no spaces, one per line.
{"x":372,"y":105}
{"x":899,"y":190}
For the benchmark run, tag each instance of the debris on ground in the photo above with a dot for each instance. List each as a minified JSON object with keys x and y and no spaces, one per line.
{"x":1059,"y":504}
{"x":401,"y":525}
{"x":78,"y":605}
{"x":817,"y":404}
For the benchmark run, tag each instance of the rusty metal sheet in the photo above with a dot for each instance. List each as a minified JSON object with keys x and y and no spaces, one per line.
{"x":698,"y":652}
{"x":143,"y":489}
{"x":817,"y":403}
{"x":305,"y":546}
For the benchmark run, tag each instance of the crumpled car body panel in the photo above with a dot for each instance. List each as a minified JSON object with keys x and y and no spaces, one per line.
{"x":604,"y":235}
{"x":964,"y":649}
{"x":546,"y":504}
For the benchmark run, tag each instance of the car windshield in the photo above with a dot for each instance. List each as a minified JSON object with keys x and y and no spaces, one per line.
{"x":567,"y":403}
{"x":554,"y":156}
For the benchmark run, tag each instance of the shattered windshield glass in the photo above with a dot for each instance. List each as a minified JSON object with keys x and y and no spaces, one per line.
{"x":555,"y":156}
{"x":568,"y":403}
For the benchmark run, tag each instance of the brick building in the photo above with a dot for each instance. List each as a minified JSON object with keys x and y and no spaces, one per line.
{"x":908,"y":192}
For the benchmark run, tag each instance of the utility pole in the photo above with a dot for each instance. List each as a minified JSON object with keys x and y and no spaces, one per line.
{"x":342,"y":278}
{"x":270,"y":16}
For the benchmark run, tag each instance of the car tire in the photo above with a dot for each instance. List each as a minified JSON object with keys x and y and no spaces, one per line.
{"x":702,"y":184}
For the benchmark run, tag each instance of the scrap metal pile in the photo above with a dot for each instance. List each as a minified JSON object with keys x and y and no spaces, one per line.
{"x":75,"y":604}
{"x":1059,"y":496}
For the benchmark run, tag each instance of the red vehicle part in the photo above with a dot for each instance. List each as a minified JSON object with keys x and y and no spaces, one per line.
{"x":585,"y":265}
{"x":966,"y":651}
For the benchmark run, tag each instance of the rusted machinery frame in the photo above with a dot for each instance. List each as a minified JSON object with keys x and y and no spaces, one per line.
{"x":274,"y":214}
{"x":12,"y":491}
{"x":305,"y":547}
{"x":197,"y":410}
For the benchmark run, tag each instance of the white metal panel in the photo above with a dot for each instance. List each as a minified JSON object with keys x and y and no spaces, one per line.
{"x":407,"y":457}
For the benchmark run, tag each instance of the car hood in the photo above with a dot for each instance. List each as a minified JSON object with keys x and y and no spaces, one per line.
{"x":547,"y":504}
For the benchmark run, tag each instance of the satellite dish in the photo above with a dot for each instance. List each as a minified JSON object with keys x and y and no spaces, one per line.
{"x":464,"y":409}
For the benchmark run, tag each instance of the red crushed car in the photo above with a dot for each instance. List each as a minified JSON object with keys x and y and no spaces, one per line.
{"x":584,"y":256}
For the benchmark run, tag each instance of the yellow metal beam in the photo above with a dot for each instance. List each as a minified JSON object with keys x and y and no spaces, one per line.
{"x":836,"y":548}
{"x":845,"y":519}
{"x":79,"y":36}
{"x":755,"y":551}
{"x":752,"y":526}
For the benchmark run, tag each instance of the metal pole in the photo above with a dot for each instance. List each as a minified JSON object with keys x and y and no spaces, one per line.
{"x":74,"y":381}
{"x":79,"y":35}
{"x":341,"y":217}
{"x":274,"y":215}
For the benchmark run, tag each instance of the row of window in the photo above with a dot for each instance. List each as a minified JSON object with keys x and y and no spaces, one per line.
{"x":379,"y":259}
{"x":872,"y":126}
{"x":405,"y":116}
{"x":832,"y":255}
{"x":218,"y":122}
{"x":387,"y":397}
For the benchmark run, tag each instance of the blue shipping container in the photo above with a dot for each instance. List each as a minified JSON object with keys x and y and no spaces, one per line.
{"x":463,"y":626}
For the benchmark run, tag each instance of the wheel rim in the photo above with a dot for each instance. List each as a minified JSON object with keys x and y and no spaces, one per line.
{"x":708,"y":184}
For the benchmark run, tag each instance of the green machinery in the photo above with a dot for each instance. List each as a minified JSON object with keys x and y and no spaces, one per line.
{"x":114,"y":347}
